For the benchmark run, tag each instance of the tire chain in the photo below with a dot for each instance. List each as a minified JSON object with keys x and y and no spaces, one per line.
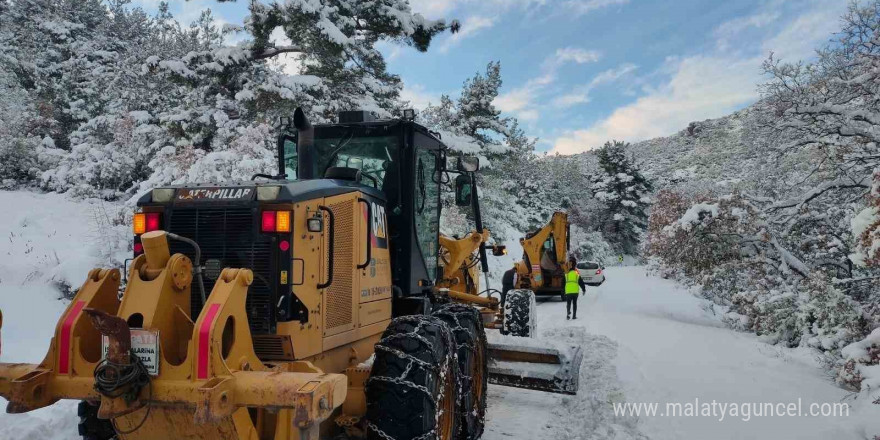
{"x":463,"y":378}
{"x":432,"y":434}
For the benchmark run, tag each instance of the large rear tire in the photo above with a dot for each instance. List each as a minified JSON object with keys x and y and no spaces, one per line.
{"x":520,"y":314}
{"x":412,"y":389}
{"x":470,"y":339}
{"x":90,"y":426}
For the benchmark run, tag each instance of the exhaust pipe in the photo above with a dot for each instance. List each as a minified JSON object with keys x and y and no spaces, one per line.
{"x":305,"y":148}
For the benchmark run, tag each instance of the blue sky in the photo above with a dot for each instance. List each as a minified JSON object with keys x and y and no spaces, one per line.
{"x":579,"y":72}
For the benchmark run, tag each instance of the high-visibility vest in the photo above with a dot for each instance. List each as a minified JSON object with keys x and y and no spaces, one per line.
{"x":571,"y":282}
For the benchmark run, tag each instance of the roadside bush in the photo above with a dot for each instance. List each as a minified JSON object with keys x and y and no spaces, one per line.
{"x":18,"y":161}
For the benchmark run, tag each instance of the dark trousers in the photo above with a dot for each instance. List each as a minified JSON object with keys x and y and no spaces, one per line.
{"x":571,"y":299}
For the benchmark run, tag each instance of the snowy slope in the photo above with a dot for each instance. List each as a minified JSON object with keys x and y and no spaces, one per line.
{"x":719,"y":154}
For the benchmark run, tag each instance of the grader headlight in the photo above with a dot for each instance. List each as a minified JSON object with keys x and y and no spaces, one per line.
{"x":265,"y":193}
{"x":315,"y":224}
{"x":162,"y":195}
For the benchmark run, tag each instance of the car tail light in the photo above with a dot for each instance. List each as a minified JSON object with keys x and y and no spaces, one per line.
{"x":275,"y":221}
{"x":598,"y":271}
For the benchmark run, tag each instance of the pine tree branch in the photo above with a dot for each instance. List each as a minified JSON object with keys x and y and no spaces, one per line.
{"x":275,"y":51}
{"x":818,"y":191}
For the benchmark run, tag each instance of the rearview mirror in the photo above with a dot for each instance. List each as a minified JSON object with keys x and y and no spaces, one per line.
{"x":464,"y":189}
{"x":468,"y":164}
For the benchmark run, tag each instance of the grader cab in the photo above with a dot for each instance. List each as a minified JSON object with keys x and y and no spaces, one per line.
{"x":301,"y":305}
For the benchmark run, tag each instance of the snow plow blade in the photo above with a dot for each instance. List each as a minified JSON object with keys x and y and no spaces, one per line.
{"x":535,"y":368}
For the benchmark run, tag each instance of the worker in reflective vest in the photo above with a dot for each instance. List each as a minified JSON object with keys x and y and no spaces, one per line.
{"x":573,"y":285}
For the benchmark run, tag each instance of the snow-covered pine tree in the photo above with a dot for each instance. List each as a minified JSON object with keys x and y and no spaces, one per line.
{"x":233,"y":91}
{"x":471,"y":124}
{"x":624,"y":191}
{"x":117,"y":101}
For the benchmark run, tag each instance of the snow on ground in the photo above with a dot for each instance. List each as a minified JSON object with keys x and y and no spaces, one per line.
{"x":649,"y":340}
{"x":48,"y":241}
{"x":645,"y":340}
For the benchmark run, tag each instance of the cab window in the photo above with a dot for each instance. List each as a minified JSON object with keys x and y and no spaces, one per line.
{"x":373,"y":155}
{"x":290,"y":159}
{"x":427,"y":207}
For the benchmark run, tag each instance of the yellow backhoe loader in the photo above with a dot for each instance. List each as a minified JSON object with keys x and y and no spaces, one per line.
{"x":301,"y":305}
{"x":545,"y":257}
{"x":540,"y":368}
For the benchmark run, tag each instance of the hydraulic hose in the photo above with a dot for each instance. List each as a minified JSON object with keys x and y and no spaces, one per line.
{"x":197,"y":265}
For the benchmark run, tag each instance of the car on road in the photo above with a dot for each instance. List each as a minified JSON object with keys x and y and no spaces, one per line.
{"x":591,"y":272}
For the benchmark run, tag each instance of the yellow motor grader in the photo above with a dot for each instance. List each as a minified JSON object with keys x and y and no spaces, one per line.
{"x":301,"y":305}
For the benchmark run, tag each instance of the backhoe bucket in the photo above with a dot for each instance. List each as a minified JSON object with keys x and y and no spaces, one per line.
{"x":535,"y":368}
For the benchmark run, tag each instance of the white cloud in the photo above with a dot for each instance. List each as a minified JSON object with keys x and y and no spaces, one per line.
{"x":731,"y":29}
{"x":514,"y":100}
{"x":701,"y":87}
{"x":739,"y":24}
{"x":436,"y":9}
{"x":469,"y":27}
{"x":571,"y":99}
{"x":581,"y":95}
{"x":521,"y":100}
{"x":418,"y":97}
{"x":577,"y":55}
{"x":800,"y":38}
{"x":612,"y":75}
{"x":433,"y":9}
{"x":585,"y":6}
{"x":705,"y":86}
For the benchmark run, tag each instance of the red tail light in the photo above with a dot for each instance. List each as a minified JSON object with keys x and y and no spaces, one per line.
{"x":146,"y":222}
{"x":268,"y":223}
{"x":598,"y":271}
{"x":276,"y":221}
{"x":153,"y":223}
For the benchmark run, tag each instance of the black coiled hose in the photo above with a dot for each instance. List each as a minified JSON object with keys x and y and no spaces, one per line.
{"x":115,"y":380}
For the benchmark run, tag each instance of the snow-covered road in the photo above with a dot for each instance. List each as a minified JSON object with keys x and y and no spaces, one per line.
{"x":645,"y":339}
{"x":649,"y":340}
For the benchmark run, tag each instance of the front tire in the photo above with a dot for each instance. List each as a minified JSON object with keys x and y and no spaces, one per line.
{"x":470,"y":339}
{"x":90,"y":426}
{"x":520,"y":314}
{"x":412,"y":389}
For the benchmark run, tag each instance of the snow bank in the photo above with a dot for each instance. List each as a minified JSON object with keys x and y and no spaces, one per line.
{"x":50,"y":243}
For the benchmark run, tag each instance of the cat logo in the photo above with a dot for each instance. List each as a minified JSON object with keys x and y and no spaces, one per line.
{"x":379,"y":229}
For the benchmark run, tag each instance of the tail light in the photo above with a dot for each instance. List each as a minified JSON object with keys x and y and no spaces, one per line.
{"x":146,"y":222}
{"x":275,"y":221}
{"x":598,"y":271}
